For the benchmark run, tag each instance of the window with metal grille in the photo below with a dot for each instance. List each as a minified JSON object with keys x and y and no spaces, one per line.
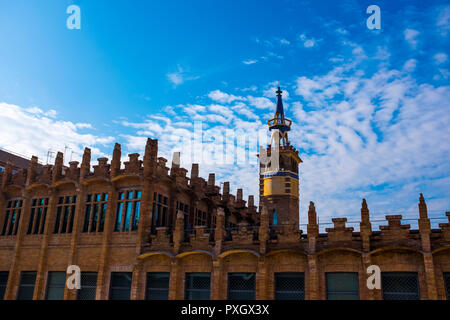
{"x":197,"y":286}
{"x":241,"y":286}
{"x":88,"y":286}
{"x":3,"y":283}
{"x":290,"y":286}
{"x":120,"y":286}
{"x":56,"y":282}
{"x":200,"y":218}
{"x":128,"y":209}
{"x":447,"y":284}
{"x":157,"y":286}
{"x":26,"y":285}
{"x":95,"y":212}
{"x":400,"y":286}
{"x":342,"y":286}
{"x":160,"y":209}
{"x":37,"y":217}
{"x":65,"y":212}
{"x":12,"y":217}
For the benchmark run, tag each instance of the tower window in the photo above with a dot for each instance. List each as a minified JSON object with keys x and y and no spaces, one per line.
{"x":274,"y":218}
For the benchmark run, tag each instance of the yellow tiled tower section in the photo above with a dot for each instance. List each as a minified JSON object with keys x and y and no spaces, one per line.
{"x":279,"y":178}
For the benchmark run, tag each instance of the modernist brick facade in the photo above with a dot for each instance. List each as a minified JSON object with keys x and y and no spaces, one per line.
{"x":187,"y":224}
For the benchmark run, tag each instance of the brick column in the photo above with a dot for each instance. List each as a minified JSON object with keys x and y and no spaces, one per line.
{"x":136,"y":284}
{"x":39,"y":290}
{"x":77,"y":223}
{"x":366,"y":293}
{"x":13,"y":279}
{"x":425,"y":231}
{"x":145,"y":215}
{"x":102,"y":281}
{"x":430,"y":275}
{"x":314,"y":293}
{"x":219,"y":232}
{"x":216,"y":279}
{"x":174,"y":270}
{"x":313,"y":233}
{"x":261,"y":280}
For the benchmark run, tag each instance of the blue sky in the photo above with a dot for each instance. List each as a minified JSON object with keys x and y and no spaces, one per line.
{"x":371,"y":107}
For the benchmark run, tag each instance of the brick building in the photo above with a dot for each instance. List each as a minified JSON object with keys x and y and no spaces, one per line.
{"x":142,"y":230}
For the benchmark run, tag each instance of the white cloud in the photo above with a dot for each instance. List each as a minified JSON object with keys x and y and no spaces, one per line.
{"x":223,"y":97}
{"x":285,"y":42}
{"x":410,"y":65}
{"x":382,"y":129}
{"x":32,"y":131}
{"x":443,"y":21}
{"x":307,"y":43}
{"x":241,"y":108}
{"x":261,"y":102}
{"x":180,"y":76}
{"x":440,"y":57}
{"x":411,"y":37}
{"x":251,"y":61}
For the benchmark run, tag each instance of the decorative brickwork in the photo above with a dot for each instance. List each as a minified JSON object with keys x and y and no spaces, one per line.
{"x":234,"y":236}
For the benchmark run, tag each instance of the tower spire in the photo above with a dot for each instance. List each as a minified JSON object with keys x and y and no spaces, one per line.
{"x":279,"y":113}
{"x":279,"y":122}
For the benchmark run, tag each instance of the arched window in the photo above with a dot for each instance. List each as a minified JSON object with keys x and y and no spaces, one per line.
{"x":274,"y":218}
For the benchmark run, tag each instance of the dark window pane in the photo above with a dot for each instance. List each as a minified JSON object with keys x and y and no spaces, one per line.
{"x":128,"y":207}
{"x":30,"y":223}
{"x":289,"y":286}
{"x":118,"y":217}
{"x":120,"y":286}
{"x":55,"y":285}
{"x":3,"y":283}
{"x":137,"y":209}
{"x":197,"y":286}
{"x":400,"y":286}
{"x":157,"y":286}
{"x":88,"y":286}
{"x":447,"y":284}
{"x":94,"y":218}
{"x":5,"y":223}
{"x":58,"y":218}
{"x":241,"y":286}
{"x":26,"y":286}
{"x":102,"y":218}
{"x":342,"y":286}
{"x":86,"y":218}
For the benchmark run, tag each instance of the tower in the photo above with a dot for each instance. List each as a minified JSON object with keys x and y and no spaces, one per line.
{"x":278,"y":178}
